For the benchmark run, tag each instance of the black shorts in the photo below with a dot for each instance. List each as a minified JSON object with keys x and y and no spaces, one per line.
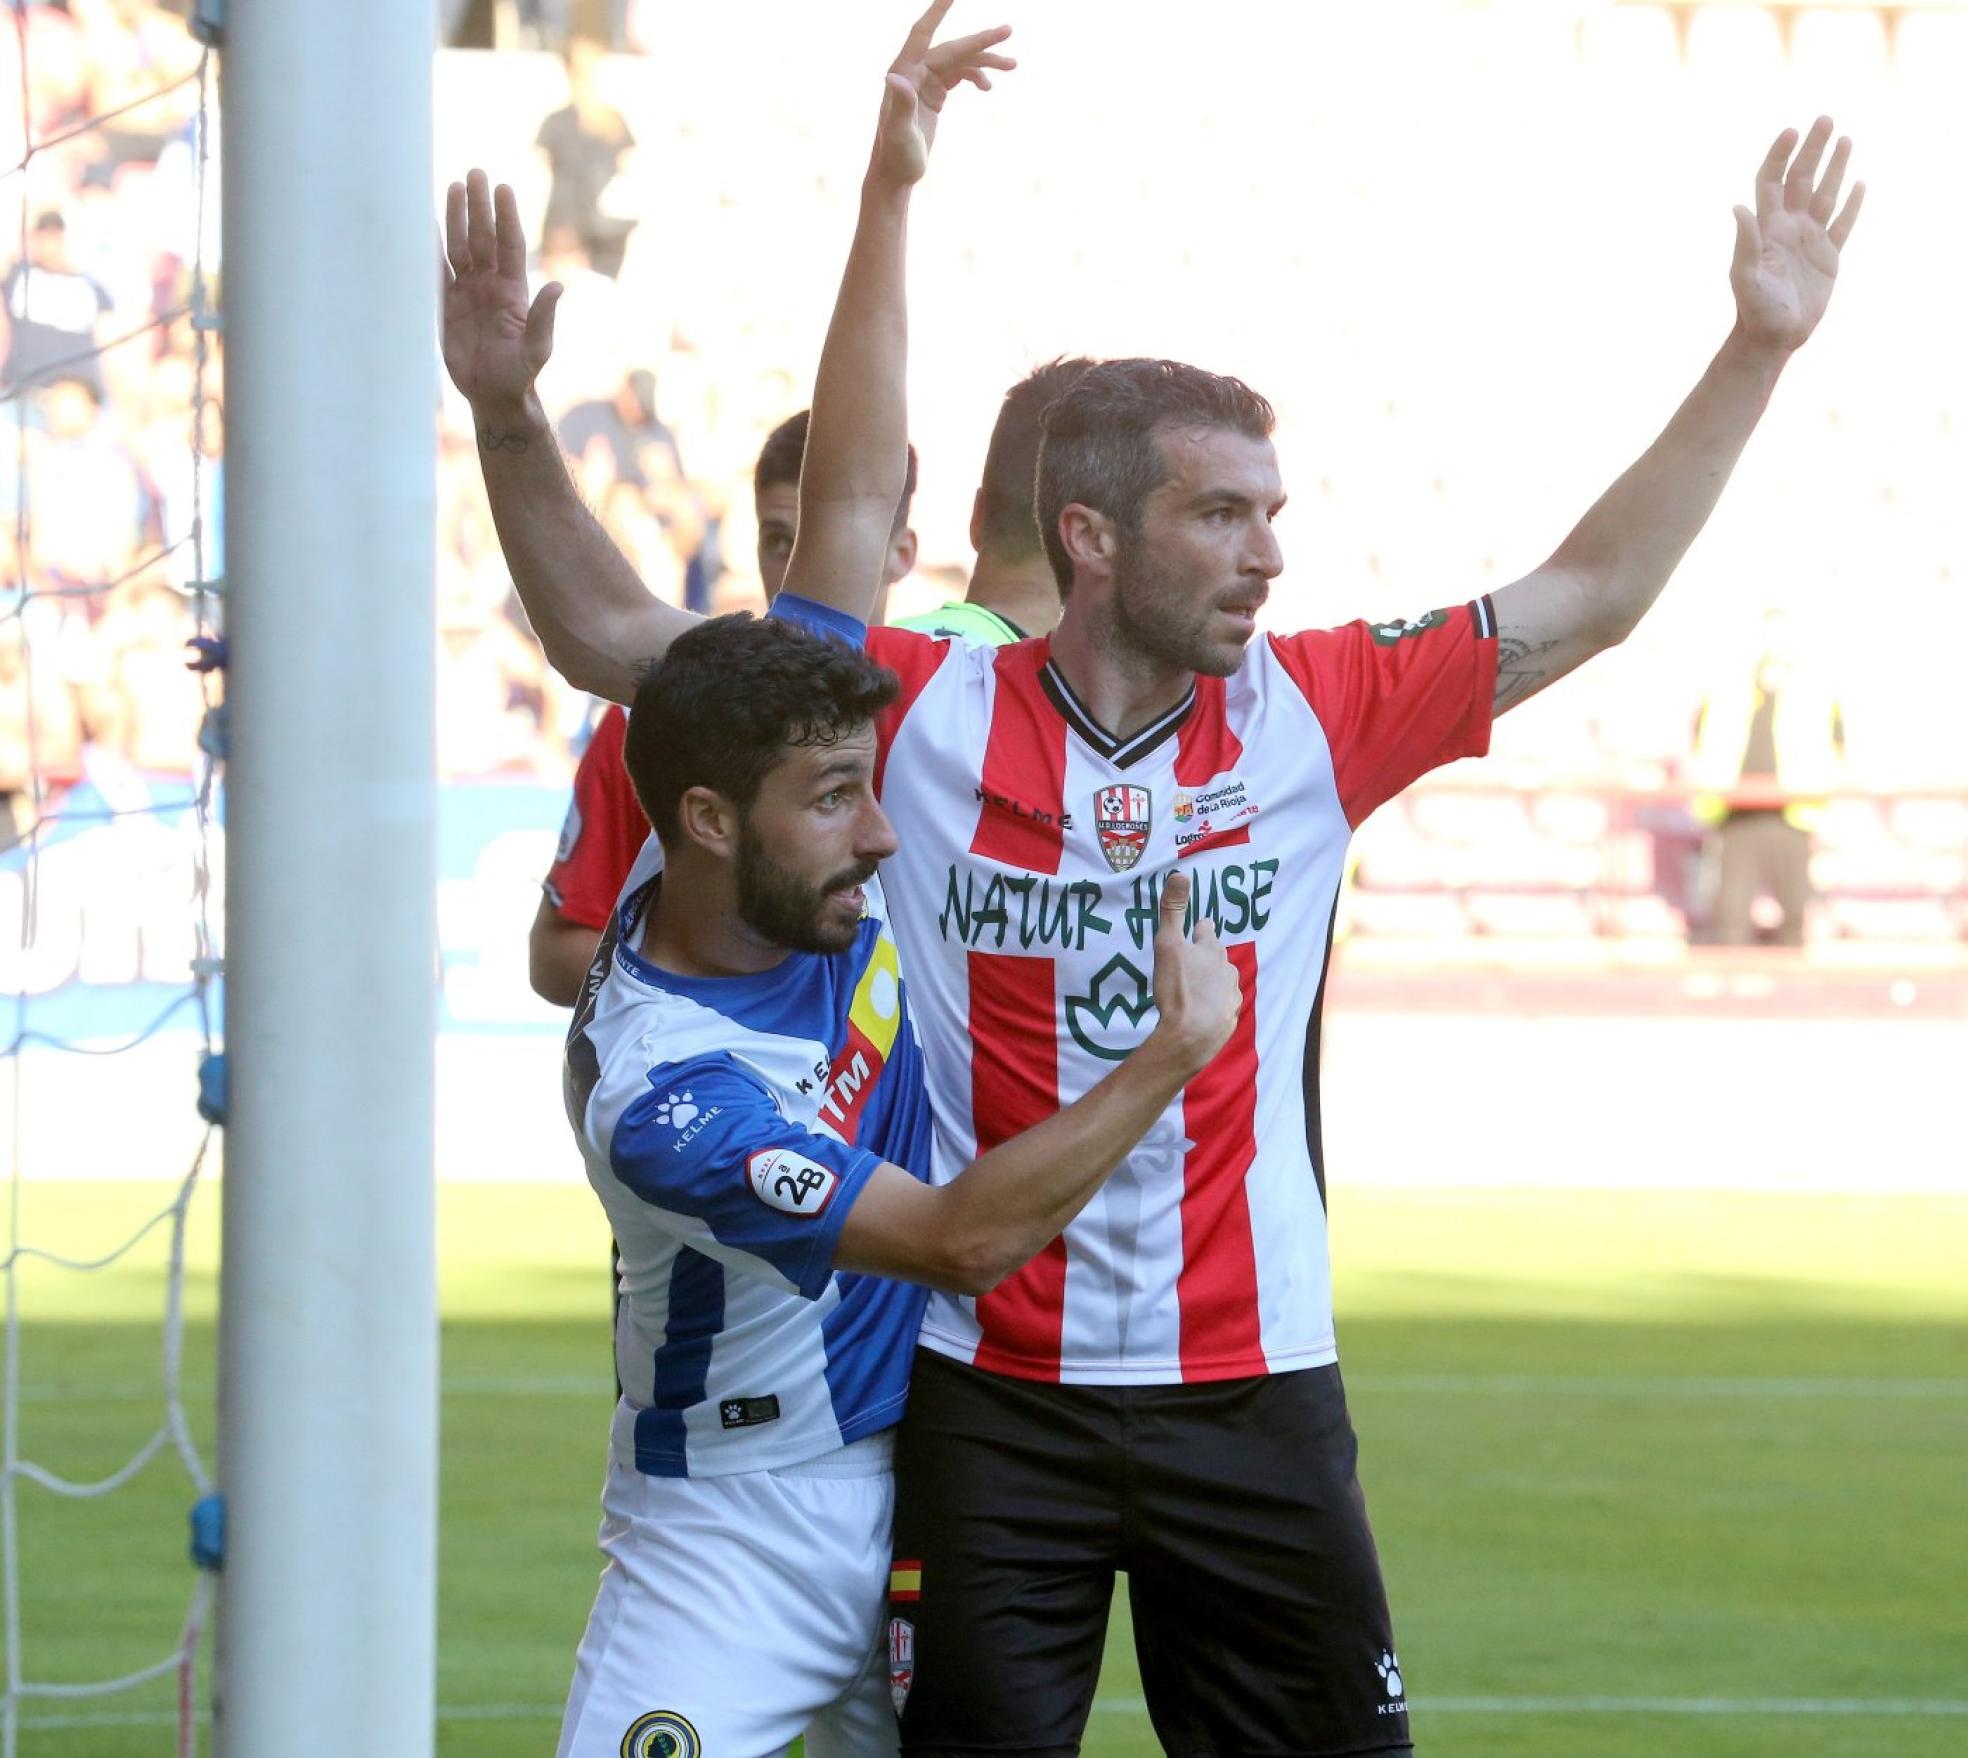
{"x":1260,"y":1619}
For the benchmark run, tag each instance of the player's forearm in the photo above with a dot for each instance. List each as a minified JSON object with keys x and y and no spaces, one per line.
{"x":1012,"y":1202}
{"x":859,"y":435}
{"x":596,"y":621}
{"x":1623,"y":551}
{"x":857,"y":443}
{"x":558,"y":953}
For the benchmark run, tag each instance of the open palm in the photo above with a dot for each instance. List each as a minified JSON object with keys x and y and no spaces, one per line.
{"x":1787,"y":250}
{"x":495,"y":340}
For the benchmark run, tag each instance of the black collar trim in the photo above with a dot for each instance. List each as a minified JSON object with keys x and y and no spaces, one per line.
{"x":1122,"y":753}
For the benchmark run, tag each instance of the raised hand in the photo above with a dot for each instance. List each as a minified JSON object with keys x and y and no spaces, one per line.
{"x":1787,"y":250}
{"x":1198,"y":994}
{"x":495,"y":342}
{"x":923,"y":74}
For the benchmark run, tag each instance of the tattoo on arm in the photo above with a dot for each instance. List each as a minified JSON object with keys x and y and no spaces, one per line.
{"x":488,"y":441}
{"x":1518,"y":674}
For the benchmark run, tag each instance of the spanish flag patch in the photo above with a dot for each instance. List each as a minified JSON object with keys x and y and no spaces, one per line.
{"x":905,"y":1579}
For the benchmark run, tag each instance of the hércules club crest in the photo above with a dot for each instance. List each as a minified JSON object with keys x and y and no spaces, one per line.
{"x":1121,"y":815}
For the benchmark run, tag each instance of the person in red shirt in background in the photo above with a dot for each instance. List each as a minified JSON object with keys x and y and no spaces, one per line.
{"x":599,"y":838}
{"x":605,"y":828}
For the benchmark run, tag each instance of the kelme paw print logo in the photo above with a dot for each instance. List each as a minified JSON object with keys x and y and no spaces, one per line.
{"x":677,"y":1110}
{"x":1390,"y":1672}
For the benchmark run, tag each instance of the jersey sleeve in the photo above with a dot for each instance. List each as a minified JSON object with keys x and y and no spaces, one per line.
{"x":603,"y":833}
{"x":1397,"y":699}
{"x":911,"y":655}
{"x":706,"y":1141}
{"x":819,"y":619}
{"x":914,"y":658}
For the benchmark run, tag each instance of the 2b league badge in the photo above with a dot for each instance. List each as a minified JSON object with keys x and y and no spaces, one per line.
{"x":1121,"y":815}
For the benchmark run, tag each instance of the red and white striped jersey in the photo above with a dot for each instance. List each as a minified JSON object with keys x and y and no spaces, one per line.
{"x":1024,"y":896}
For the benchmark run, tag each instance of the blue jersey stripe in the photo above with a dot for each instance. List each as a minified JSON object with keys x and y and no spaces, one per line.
{"x":860,"y":1337}
{"x":683,"y":1361}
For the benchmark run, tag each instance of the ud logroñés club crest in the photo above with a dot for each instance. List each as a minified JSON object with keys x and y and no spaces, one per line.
{"x":1121,"y":816}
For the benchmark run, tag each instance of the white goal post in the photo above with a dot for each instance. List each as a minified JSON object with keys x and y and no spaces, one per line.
{"x":328,"y":1327}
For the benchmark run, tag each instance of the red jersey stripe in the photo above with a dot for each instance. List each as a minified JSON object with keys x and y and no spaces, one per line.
{"x":1206,"y":746}
{"x":914,"y":659}
{"x":1205,"y":749}
{"x":1216,"y":1289}
{"x":1014,"y":1084}
{"x":1020,"y":818}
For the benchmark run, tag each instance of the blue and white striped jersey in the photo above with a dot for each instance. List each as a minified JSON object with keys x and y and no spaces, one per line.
{"x":728,"y":1125}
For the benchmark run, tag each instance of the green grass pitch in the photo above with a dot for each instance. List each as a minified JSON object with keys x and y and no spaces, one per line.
{"x":1642,"y":1466}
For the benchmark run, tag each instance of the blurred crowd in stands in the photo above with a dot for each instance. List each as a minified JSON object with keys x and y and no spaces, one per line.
{"x":696,"y":288}
{"x":112,"y":442}
{"x":105,"y":462}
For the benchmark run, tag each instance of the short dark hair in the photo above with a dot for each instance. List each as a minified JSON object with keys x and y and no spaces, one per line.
{"x":784,"y":451}
{"x":1010,"y":522}
{"x":1101,"y":443}
{"x":728,"y":701}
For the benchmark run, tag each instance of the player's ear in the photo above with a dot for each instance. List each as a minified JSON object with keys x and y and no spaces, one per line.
{"x":1091,"y":539}
{"x":977,"y":520}
{"x":901,"y":555}
{"x":708,"y":819}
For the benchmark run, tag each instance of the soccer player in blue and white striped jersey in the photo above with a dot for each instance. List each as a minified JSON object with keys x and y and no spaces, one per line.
{"x":745,"y":1082}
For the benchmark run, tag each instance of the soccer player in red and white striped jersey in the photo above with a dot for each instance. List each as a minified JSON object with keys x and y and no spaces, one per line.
{"x":1158,"y":1393}
{"x":1034,"y":845}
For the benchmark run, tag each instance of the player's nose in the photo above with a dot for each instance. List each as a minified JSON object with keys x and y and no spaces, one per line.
{"x":875,"y":839}
{"x":1265,"y":556}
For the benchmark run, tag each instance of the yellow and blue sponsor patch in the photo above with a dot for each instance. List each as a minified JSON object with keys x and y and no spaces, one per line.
{"x":874,"y":1021}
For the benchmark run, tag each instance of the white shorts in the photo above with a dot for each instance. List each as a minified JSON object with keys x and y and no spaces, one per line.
{"x":738,"y":1612}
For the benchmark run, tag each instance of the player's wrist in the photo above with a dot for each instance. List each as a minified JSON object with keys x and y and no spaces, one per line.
{"x":1755,"y":353}
{"x":885,"y":191}
{"x":1178,"y":1049}
{"x":501,"y":416}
